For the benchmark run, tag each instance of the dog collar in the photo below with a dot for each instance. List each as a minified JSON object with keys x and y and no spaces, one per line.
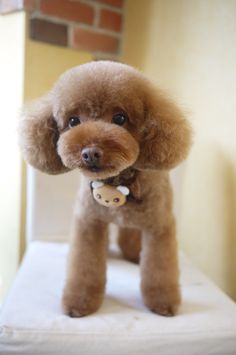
{"x":109,"y":195}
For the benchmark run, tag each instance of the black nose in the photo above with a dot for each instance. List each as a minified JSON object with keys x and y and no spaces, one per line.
{"x":91,"y":156}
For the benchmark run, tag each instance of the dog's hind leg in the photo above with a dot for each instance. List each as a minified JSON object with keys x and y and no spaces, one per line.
{"x":129,"y":241}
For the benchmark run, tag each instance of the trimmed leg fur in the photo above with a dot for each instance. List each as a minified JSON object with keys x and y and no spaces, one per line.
{"x":86,"y":276}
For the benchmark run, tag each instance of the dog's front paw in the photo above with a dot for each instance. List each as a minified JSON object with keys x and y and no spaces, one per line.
{"x":164,"y":301}
{"x":165,"y":309}
{"x":81,"y":303}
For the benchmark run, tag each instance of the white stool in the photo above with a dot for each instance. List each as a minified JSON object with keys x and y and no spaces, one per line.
{"x":32,"y":321}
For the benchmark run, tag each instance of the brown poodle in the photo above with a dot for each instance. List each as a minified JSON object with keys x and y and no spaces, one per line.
{"x":107,"y":120}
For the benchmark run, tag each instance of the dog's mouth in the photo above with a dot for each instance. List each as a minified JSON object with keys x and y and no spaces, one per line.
{"x":99,"y":172}
{"x":95,"y":169}
{"x":102,"y":171}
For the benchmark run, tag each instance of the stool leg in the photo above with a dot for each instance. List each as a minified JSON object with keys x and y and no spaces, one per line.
{"x":159,"y":270}
{"x":86,"y":273}
{"x":129,"y":241}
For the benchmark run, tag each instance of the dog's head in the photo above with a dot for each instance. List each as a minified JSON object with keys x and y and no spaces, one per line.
{"x":103,"y":117}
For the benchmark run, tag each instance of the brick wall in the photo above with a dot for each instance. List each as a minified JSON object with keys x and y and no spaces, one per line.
{"x":91,"y":25}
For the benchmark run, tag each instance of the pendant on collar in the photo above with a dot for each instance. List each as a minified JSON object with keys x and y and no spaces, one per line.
{"x":108,"y":195}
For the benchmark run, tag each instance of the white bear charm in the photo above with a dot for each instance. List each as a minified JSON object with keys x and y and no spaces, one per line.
{"x":108,"y":195}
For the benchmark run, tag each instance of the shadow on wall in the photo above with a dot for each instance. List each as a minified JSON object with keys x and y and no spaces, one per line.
{"x":207,"y":225}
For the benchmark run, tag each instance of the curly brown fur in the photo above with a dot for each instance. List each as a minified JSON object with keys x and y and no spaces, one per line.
{"x":154,"y":138}
{"x":38,"y":135}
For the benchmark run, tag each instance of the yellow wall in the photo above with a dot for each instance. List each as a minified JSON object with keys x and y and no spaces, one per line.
{"x":11,"y":93}
{"x":187,"y":47}
{"x":44,"y":63}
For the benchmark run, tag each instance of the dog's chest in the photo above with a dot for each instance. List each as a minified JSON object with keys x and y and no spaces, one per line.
{"x":142,"y":212}
{"x":129,"y":215}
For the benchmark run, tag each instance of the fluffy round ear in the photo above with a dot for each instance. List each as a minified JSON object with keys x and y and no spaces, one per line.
{"x":167,"y":136}
{"x":38,"y":137}
{"x":97,"y":184}
{"x":123,"y":189}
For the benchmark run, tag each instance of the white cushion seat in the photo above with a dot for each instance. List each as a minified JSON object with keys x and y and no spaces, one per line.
{"x":32,"y":321}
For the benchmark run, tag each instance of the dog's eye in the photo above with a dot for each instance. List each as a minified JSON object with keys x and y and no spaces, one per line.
{"x":116,"y":199}
{"x":74,"y":121}
{"x":119,"y":118}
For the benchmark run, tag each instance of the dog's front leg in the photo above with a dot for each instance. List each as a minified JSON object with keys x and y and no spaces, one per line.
{"x":86,"y":274}
{"x":159,"y":270}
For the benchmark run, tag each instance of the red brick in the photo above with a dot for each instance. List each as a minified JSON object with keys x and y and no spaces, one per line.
{"x":49,"y":32}
{"x":68,"y":9}
{"x":93,"y":41}
{"x":116,"y":3}
{"x":110,"y":20}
